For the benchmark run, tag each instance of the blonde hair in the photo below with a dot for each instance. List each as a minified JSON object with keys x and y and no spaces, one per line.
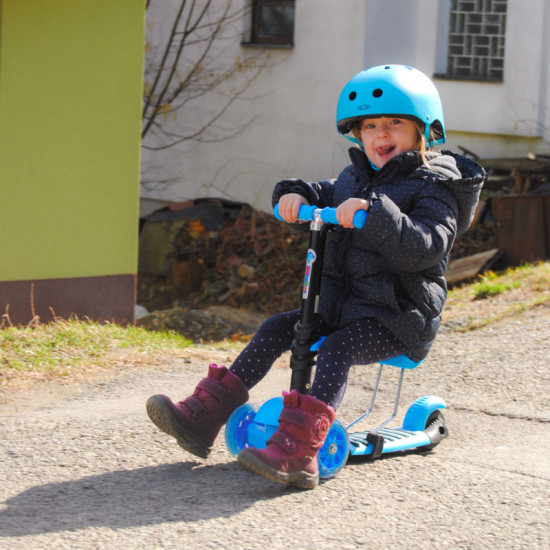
{"x":420,"y":145}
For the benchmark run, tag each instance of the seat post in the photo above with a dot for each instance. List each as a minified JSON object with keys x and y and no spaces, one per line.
{"x":371,"y":406}
{"x":395,"y":405}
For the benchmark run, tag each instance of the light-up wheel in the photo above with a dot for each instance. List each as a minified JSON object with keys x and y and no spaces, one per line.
{"x":236,"y":436}
{"x":333,"y":455}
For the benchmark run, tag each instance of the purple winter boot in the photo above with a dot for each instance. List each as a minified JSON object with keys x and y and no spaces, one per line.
{"x":291,"y":453}
{"x":196,"y":421}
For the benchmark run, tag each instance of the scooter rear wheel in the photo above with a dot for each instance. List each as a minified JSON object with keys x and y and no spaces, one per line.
{"x":436,"y":429}
{"x":333,"y":455}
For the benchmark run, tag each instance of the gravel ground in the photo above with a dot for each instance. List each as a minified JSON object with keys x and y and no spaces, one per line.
{"x":82,"y":466}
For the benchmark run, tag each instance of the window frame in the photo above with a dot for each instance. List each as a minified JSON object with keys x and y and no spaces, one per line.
{"x":481,"y":65}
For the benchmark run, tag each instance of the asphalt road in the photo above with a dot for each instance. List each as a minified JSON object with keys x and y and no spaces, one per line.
{"x":82,"y":466}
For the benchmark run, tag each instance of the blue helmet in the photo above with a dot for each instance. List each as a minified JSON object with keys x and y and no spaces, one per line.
{"x":391,"y":90}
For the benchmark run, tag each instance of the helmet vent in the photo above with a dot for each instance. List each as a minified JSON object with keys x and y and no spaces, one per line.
{"x":352,"y":96}
{"x":377,"y":93}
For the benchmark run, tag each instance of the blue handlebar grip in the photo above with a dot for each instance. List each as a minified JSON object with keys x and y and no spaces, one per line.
{"x":359,"y":219}
{"x":305,"y":214}
{"x":328,"y":215}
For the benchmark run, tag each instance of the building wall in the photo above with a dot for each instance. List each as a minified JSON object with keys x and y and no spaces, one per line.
{"x":510,"y":118}
{"x":293,"y":105}
{"x":294,"y":102}
{"x":70,"y":105}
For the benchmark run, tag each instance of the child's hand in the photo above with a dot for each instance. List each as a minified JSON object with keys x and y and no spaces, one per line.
{"x":289,"y":206}
{"x":346,"y":211}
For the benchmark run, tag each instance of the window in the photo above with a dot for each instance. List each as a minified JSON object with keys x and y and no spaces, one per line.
{"x":272,"y":22}
{"x":476,"y":37}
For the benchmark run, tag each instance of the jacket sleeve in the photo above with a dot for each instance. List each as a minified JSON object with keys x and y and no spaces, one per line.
{"x":419,"y":239}
{"x":319,"y":194}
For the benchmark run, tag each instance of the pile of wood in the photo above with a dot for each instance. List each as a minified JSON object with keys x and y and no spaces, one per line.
{"x":513,"y":218}
{"x":217,"y":252}
{"x":248,"y":259}
{"x":518,"y":176}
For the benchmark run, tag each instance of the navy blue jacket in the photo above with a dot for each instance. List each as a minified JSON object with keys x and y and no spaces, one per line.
{"x":393,"y":269}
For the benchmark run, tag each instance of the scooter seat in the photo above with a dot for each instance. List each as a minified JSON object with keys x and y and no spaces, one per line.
{"x":401,"y":361}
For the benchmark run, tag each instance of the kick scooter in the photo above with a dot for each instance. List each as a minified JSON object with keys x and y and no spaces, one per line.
{"x":249,"y":426}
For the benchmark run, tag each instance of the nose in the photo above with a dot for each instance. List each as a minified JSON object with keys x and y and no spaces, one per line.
{"x":382,"y":130}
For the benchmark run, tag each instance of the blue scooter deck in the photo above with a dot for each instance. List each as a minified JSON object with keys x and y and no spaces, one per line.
{"x":395,"y":439}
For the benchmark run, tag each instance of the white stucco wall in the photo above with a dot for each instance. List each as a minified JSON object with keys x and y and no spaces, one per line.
{"x":511,"y":113}
{"x":294,"y":131}
{"x":293,"y":102}
{"x":491,"y":119}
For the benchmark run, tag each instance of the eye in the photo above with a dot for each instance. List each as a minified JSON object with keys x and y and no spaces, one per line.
{"x":368,"y":124}
{"x":396,"y":121}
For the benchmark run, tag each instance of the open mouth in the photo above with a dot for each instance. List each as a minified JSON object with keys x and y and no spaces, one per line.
{"x":384,"y":151}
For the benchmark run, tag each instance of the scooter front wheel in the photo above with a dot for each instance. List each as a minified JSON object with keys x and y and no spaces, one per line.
{"x":236,"y":429}
{"x":333,"y":455}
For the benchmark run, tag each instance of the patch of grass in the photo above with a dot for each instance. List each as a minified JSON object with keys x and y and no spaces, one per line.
{"x":57,"y":347}
{"x":64,"y":346}
{"x":505,"y":294}
{"x":492,"y":284}
{"x":535,"y":276}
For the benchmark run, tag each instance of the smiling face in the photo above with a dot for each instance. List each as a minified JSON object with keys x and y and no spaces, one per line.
{"x":386,"y":137}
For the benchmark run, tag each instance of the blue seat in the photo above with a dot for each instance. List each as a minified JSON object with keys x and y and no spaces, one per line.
{"x":401,"y":361}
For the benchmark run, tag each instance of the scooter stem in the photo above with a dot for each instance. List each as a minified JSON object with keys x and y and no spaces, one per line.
{"x":307,"y":330}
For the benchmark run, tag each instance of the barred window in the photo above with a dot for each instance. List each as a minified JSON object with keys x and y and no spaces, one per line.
{"x":477,"y":30}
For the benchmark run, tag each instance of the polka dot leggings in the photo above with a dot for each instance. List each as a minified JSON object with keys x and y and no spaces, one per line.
{"x":360,"y":343}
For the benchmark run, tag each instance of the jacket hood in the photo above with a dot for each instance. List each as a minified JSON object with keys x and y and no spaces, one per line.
{"x":463,"y":176}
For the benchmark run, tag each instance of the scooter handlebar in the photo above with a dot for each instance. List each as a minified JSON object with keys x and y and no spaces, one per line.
{"x":328,"y":215}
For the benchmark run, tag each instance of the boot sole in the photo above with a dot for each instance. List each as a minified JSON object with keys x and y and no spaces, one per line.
{"x":162,"y":417}
{"x":253,"y":464}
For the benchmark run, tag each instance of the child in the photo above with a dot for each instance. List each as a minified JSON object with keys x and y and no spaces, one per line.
{"x":382,"y":287}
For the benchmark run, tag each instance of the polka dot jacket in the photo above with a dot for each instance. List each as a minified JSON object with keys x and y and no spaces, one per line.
{"x":393,"y":269}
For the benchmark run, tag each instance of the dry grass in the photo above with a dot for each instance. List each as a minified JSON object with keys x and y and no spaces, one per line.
{"x":66,"y":348}
{"x":74,"y":350}
{"x":498,"y":297}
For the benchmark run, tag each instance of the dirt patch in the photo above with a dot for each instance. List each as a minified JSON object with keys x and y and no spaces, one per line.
{"x":464,"y":312}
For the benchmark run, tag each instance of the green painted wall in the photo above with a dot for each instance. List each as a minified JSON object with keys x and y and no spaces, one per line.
{"x":70,"y":108}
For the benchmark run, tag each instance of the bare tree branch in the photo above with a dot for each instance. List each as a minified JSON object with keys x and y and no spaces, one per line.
{"x":193,"y":65}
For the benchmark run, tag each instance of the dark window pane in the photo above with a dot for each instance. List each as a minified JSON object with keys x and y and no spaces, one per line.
{"x":276,"y":21}
{"x":273,"y":22}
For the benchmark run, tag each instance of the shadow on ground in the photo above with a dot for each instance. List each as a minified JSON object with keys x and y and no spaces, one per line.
{"x":186,"y":491}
